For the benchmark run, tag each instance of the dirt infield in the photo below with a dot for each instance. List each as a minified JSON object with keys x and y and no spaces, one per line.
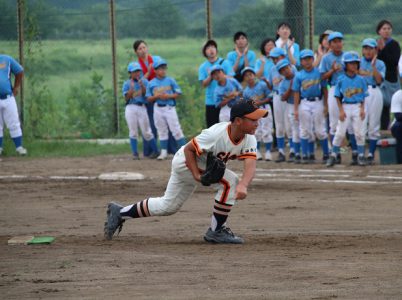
{"x":311,"y":233}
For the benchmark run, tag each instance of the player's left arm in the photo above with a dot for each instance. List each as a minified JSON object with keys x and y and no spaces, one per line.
{"x":17,"y":82}
{"x":248,"y":175}
{"x":191,"y":161}
{"x":286,"y":95}
{"x":377,"y":73}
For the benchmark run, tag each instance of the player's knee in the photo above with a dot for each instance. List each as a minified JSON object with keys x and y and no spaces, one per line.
{"x":168,"y":207}
{"x":15,"y":130}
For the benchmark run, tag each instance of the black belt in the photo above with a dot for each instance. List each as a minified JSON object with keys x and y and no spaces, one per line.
{"x":163,"y":105}
{"x":4,"y":96}
{"x":312,"y":99}
{"x":373,"y":86}
{"x":139,"y":104}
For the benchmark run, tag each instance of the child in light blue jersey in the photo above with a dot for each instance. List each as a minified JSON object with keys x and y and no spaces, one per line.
{"x":350,"y":93}
{"x":259,"y":92}
{"x":373,"y":71}
{"x":241,"y":57}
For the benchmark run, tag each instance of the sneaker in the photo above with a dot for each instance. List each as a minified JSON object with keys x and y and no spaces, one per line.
{"x":153,"y":155}
{"x":268,"y":156}
{"x":361,"y":161}
{"x":136,"y":157}
{"x":1,"y":151}
{"x":21,"y":150}
{"x":259,"y":156}
{"x":305,"y":160}
{"x":291,"y":157}
{"x":222,"y":236}
{"x":163,"y":155}
{"x":113,"y":221}
{"x":353,"y":162}
{"x":325,"y":157}
{"x":311,"y":158}
{"x":370,"y":160}
{"x":281,"y":158}
{"x":331,"y":161}
{"x":297,"y":159}
{"x":338,"y":159}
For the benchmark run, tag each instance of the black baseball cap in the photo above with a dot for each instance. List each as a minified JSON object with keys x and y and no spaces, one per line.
{"x":247,"y":109}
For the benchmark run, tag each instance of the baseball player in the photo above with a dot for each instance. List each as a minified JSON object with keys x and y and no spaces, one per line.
{"x":350,"y":92}
{"x":259,"y":92}
{"x":286,"y":69}
{"x":136,"y":112}
{"x":282,"y":124}
{"x":164,"y":91}
{"x":227,"y":141}
{"x":310,"y":95}
{"x":210,"y":51}
{"x":8,"y":105}
{"x":241,"y":56}
{"x":373,"y":71}
{"x":331,"y":69}
{"x":226,"y":94}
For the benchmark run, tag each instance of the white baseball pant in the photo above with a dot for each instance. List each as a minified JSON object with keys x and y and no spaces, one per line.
{"x":264,"y":130}
{"x":9,"y":117}
{"x":166,"y":119}
{"x":137,"y":116}
{"x":373,"y":108}
{"x":282,"y":124}
{"x":311,"y":119}
{"x":295,"y":132}
{"x":333,"y":111}
{"x":352,"y":112}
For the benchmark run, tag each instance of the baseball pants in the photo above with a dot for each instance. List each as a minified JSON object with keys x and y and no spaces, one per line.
{"x":136,"y":116}
{"x":352,"y":112}
{"x":282,"y":124}
{"x":333,"y":111}
{"x":264,"y":130}
{"x":9,"y":117}
{"x":166,"y":119}
{"x":373,"y":108}
{"x":311,"y":119}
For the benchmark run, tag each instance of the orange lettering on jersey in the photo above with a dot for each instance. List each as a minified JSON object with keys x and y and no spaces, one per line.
{"x":225,"y":156}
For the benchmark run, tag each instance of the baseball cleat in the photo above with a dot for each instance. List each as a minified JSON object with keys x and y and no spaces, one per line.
{"x":113,"y":221}
{"x":268,"y":156}
{"x":21,"y":151}
{"x":305,"y":160}
{"x":370,"y":160}
{"x":136,"y":157}
{"x":331,"y":161}
{"x":325,"y":157}
{"x":338,"y":159}
{"x":353,"y":162}
{"x":222,"y":236}
{"x":311,"y":158}
{"x":259,"y":156}
{"x":163,"y":155}
{"x":281,"y":158}
{"x":291,"y":157}
{"x":361,"y":161}
{"x":297,"y":159}
{"x":153,"y":155}
{"x":1,"y":151}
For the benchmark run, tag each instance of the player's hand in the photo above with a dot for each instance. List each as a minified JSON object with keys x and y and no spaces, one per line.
{"x":342,"y":115}
{"x":263,"y":59}
{"x":325,"y":110}
{"x":291,"y":43}
{"x":320,"y":50}
{"x":241,"y":192}
{"x":296,"y":114}
{"x":374,"y":61}
{"x":380,"y":44}
{"x":335,"y":67}
{"x":245,"y":50}
{"x":15,"y":91}
{"x":362,"y":114}
{"x":239,"y":54}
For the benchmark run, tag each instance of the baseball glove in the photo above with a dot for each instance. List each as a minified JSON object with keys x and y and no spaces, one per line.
{"x":214,"y":171}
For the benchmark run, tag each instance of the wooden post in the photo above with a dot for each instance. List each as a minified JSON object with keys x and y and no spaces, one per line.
{"x":208,"y":18}
{"x":311,"y":23}
{"x":114,"y":65}
{"x":20,"y":30}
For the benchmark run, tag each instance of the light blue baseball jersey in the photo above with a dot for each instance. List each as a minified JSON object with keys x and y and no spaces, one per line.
{"x":138,"y":98}
{"x":308,"y":84}
{"x":166,"y":85}
{"x":232,"y":56}
{"x":366,"y":70}
{"x":267,"y":67}
{"x":203,"y":73}
{"x":284,"y":86}
{"x":223,"y":90}
{"x":259,"y":92}
{"x":326,"y":65}
{"x":8,"y":65}
{"x":351,"y":89}
{"x":275,"y":77}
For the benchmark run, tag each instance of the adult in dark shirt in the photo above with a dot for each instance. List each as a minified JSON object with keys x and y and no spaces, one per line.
{"x":389,"y":52}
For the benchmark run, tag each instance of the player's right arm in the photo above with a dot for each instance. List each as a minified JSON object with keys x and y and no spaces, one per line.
{"x":339,"y":96}
{"x":191,"y":161}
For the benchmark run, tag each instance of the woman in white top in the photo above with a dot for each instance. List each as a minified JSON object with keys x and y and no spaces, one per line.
{"x":285,"y":40}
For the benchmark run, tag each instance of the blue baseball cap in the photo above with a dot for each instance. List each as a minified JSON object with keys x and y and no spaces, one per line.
{"x":369,"y":43}
{"x":335,"y":35}
{"x":159,"y":63}
{"x":306,"y":53}
{"x":276,"y":52}
{"x":216,"y":67}
{"x":247,"y":69}
{"x":282,"y":63}
{"x":133,"y":66}
{"x":350,"y":56}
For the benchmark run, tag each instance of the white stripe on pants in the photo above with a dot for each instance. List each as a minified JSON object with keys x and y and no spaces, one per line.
{"x":166,"y":118}
{"x":352,"y":112}
{"x":264,"y":130}
{"x":282,"y":124}
{"x":373,"y":108}
{"x":312,"y":121}
{"x":9,"y":116}
{"x":181,"y":186}
{"x":137,"y":116}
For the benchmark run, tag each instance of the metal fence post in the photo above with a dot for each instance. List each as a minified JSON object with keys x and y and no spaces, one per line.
{"x":311,"y":23}
{"x":114,"y":65}
{"x":208,"y":12}
{"x":20,"y":30}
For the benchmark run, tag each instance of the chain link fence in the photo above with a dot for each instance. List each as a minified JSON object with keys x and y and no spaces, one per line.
{"x":68,"y":87}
